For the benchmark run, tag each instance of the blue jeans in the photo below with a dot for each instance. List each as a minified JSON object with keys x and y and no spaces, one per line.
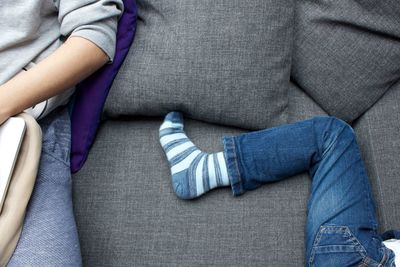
{"x":341,"y":224}
{"x":49,"y":235}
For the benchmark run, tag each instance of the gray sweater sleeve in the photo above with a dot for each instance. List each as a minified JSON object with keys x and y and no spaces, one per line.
{"x":95,"y":20}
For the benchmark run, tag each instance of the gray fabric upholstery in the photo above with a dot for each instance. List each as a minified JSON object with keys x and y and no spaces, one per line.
{"x":346,"y":53}
{"x":209,"y":59}
{"x":301,"y":106}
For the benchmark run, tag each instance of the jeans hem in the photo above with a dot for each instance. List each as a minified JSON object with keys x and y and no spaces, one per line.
{"x":232,"y":166}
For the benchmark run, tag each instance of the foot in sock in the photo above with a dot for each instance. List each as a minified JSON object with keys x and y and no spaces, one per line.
{"x":193,"y":171}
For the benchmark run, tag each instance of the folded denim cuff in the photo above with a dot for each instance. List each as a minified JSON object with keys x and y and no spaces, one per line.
{"x":232,"y":166}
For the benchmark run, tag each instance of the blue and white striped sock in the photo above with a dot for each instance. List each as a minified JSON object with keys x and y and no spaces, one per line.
{"x":193,"y":171}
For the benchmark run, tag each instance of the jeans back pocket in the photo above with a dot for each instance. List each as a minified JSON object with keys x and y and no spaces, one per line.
{"x":337,"y":246}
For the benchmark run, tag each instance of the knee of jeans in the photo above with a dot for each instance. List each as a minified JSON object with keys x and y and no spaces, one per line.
{"x":329,"y":130}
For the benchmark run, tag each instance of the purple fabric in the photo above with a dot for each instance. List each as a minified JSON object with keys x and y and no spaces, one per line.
{"x":91,"y":93}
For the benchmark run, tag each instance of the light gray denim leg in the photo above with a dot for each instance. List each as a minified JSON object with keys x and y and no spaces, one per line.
{"x":49,"y":236}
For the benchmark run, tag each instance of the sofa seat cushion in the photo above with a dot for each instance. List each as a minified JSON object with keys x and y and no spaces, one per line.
{"x":210,"y":60}
{"x":128,"y":214}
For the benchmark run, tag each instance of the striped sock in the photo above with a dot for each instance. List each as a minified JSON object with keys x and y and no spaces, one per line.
{"x":193,"y":171}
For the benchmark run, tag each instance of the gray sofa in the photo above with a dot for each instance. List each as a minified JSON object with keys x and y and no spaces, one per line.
{"x":232,"y":66}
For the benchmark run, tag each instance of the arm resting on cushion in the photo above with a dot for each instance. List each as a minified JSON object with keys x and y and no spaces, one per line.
{"x":75,"y":60}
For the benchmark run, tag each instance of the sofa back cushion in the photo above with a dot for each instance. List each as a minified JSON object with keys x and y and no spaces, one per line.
{"x":225,"y":62}
{"x":346,"y":53}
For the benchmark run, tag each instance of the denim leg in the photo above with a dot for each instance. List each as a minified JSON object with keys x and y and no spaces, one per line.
{"x":49,"y":236}
{"x":341,"y":223}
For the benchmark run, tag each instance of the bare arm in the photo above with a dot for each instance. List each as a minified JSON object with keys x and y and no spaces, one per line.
{"x":75,"y":60}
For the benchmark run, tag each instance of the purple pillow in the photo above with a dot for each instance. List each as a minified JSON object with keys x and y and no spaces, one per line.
{"x":91,"y":93}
